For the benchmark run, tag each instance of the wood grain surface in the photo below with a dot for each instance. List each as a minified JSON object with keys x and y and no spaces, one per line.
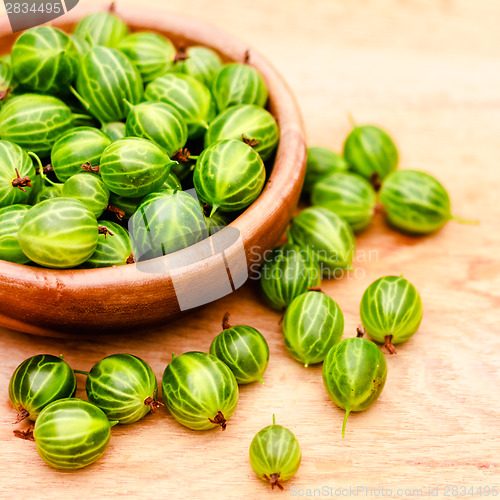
{"x":428,"y":71}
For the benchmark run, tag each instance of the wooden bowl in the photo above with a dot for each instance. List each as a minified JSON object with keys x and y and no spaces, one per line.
{"x":57,"y":303}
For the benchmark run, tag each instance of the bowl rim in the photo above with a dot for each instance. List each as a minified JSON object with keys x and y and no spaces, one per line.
{"x":287,"y":171}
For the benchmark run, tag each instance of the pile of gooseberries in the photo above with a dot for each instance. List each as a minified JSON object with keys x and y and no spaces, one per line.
{"x":102,"y":129}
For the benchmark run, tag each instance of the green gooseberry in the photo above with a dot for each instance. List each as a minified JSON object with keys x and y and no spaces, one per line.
{"x":164,"y":223}
{"x":81,"y":45}
{"x":354,"y":375}
{"x":190,"y":97}
{"x":243,"y":349}
{"x":71,"y":433}
{"x":89,"y":189}
{"x":416,"y":202}
{"x":287,"y":272}
{"x":371,"y":152}
{"x":45,"y":59}
{"x":239,"y":84}
{"x":5,"y":79}
{"x":248,"y":123}
{"x":16,"y":174}
{"x":126,"y":206}
{"x":327,"y":235}
{"x":106,"y":82}
{"x":77,"y":147}
{"x":47,"y":191}
{"x":10,"y":220}
{"x":391,"y":311}
{"x":39,"y":381}
{"x":101,"y":28}
{"x":59,"y":233}
{"x":134,"y":167}
{"x":229,"y":175}
{"x":113,"y":247}
{"x":275,"y":454}
{"x":215,"y":222}
{"x":312,"y":325}
{"x":115,"y":130}
{"x":199,"y":62}
{"x":152,"y":53}
{"x":124,"y":387}
{"x":199,"y":390}
{"x":348,"y":195}
{"x":321,"y":162}
{"x":35,"y":122}
{"x":160,"y":123}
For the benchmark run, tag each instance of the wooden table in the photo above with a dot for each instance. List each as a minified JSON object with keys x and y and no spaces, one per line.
{"x":428,"y":72}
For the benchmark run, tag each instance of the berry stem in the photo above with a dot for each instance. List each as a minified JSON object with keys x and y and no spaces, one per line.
{"x":22,"y":415}
{"x":219,"y":419}
{"x":225,"y":321}
{"x":347,"y":411}
{"x":153,"y":403}
{"x":21,"y":182}
{"x":469,"y":222}
{"x":388,"y":345}
{"x":81,"y":372}
{"x":351,"y":119}
{"x":27,"y":434}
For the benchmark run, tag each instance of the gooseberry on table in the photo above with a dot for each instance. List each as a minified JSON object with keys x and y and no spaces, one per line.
{"x":199,"y":390}
{"x":322,"y":162}
{"x":275,"y":454}
{"x":348,"y":195}
{"x":243,"y":349}
{"x":391,"y":310}
{"x":312,"y":324}
{"x":124,"y":387}
{"x":354,"y":374}
{"x":288,"y":271}
{"x":71,"y":433}
{"x":37,"y":382}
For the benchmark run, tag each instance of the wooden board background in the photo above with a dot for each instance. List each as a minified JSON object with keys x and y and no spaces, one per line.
{"x":428,"y":71}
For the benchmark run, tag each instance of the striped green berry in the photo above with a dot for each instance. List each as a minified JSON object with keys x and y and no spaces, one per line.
{"x":391,"y":310}
{"x":229,"y":175}
{"x":371,"y":152}
{"x":153,"y":54}
{"x":134,"y":167}
{"x":287,"y":272}
{"x":321,"y":162}
{"x":275,"y":454}
{"x":199,"y":390}
{"x":45,"y":59}
{"x":71,"y":434}
{"x":89,"y":189}
{"x":10,"y":220}
{"x":115,"y":130}
{"x":75,"y":148}
{"x":348,"y":195}
{"x":16,"y":174}
{"x":327,"y":235}
{"x":101,"y":28}
{"x":158,"y":122}
{"x":415,"y":202}
{"x":5,"y":79}
{"x":164,"y":223}
{"x":190,"y":97}
{"x":59,"y":233}
{"x":35,"y":122}
{"x":239,"y":84}
{"x":124,"y":387}
{"x":199,"y":62}
{"x":247,"y":123}
{"x":46,"y":192}
{"x":354,"y":375}
{"x":243,"y":349}
{"x":313,"y":323}
{"x":106,"y":80}
{"x":113,"y":247}
{"x":37,"y":382}
{"x":81,"y":45}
